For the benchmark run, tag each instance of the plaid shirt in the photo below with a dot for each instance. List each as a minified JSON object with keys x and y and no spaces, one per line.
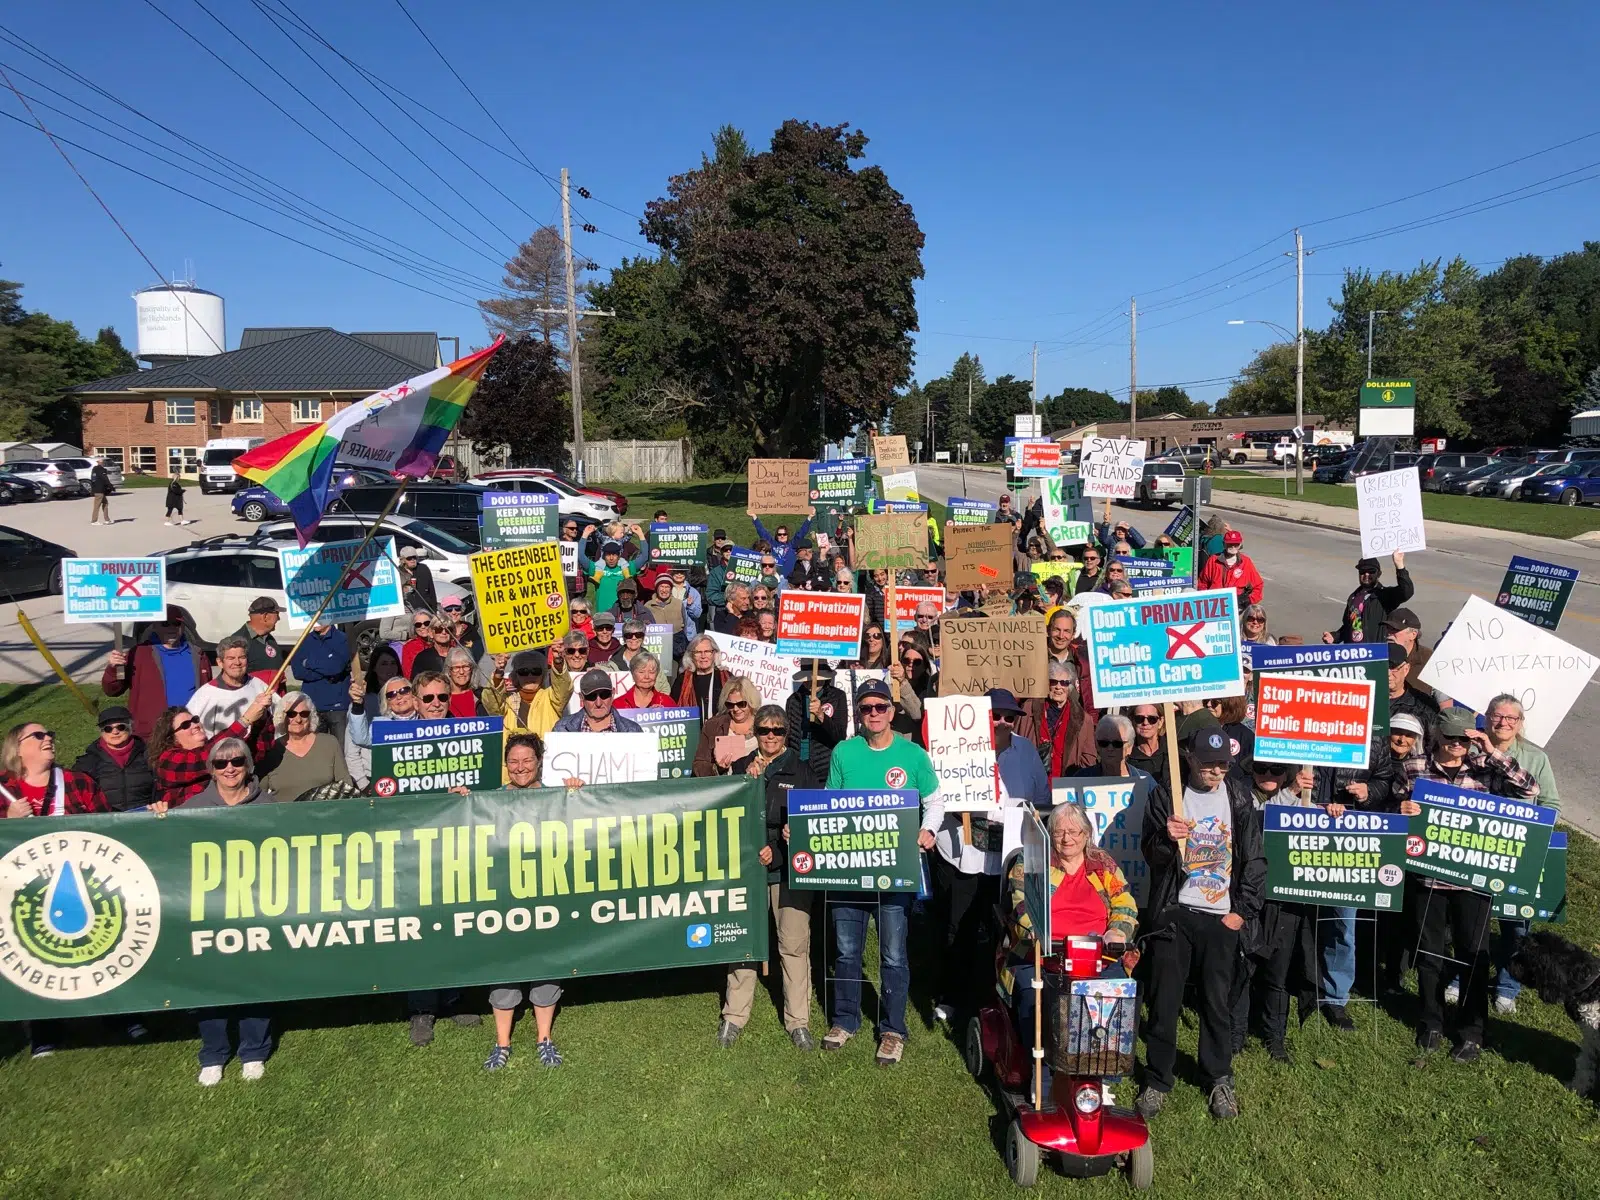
{"x":182,"y":773}
{"x":83,"y":794}
{"x":1483,"y":771}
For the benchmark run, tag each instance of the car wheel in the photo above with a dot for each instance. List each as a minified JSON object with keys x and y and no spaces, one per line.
{"x":1571,"y":496}
{"x":254,"y":510}
{"x":53,"y":584}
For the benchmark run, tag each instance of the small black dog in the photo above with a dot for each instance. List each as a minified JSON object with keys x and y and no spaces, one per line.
{"x":1567,"y":975}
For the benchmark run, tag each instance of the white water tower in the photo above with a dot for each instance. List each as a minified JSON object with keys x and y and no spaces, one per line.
{"x":177,"y":321}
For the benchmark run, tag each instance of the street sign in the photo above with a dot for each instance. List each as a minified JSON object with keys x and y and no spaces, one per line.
{"x":1388,"y":408}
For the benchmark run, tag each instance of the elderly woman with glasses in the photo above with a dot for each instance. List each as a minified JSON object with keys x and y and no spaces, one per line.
{"x":395,"y":700}
{"x":731,"y":734}
{"x":459,"y":666}
{"x":1059,"y":724}
{"x":780,"y":768}
{"x":645,"y":669}
{"x":421,"y":639}
{"x":703,"y":679}
{"x":304,"y":758}
{"x":179,"y":748}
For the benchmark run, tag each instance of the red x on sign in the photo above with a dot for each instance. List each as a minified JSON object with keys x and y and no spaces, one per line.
{"x":361,"y":574}
{"x":1181,"y":643}
{"x":129,"y":587}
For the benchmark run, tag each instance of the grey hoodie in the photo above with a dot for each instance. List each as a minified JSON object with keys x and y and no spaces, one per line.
{"x":211,"y":798}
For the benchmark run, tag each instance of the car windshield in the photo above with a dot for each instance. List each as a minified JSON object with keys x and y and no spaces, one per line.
{"x":440,"y":540}
{"x":1492,"y":470}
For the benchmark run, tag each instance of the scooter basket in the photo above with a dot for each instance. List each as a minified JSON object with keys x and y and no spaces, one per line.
{"x":1090,"y":1025}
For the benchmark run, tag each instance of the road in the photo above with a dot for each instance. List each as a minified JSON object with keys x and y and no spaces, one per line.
{"x":1309,"y":572}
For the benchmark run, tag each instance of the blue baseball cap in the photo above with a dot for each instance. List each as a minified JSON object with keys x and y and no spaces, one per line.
{"x":1002,"y":700}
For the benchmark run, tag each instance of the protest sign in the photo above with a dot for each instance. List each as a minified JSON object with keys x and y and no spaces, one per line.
{"x":675,"y":542}
{"x":1057,"y":570}
{"x":977,"y":654}
{"x":1354,"y":861}
{"x":113,"y":589}
{"x":744,"y":566}
{"x":978,"y":556}
{"x":1067,"y":518}
{"x":898,"y":506}
{"x":891,"y":452}
{"x":841,"y":485}
{"x":962,"y":511}
{"x":778,"y":486}
{"x":771,"y":672}
{"x":277,"y":902}
{"x":508,"y":519}
{"x":853,"y":841}
{"x":1181,"y":559}
{"x":599,"y":758}
{"x":1181,"y":528}
{"x":658,"y":641}
{"x":902,"y":485}
{"x":372,"y":589}
{"x":1151,"y":576}
{"x":821,"y":624}
{"x":1316,"y":722}
{"x":1476,"y":840}
{"x":891,"y":541}
{"x":906,"y":600}
{"x":1339,"y":660}
{"x":1111,"y":467}
{"x":569,"y":559}
{"x":959,"y":734}
{"x":1033,"y":459}
{"x":1183,"y":647}
{"x":1390,"y":507}
{"x":1536,"y":591}
{"x":412,"y":758}
{"x":677,"y":733}
{"x":1488,"y":650}
{"x":1116,"y":806}
{"x":1036,"y":889}
{"x":1550,"y":898}
{"x":521,"y":595}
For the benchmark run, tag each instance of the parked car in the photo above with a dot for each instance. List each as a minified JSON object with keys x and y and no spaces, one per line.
{"x":58,"y":481}
{"x":1476,"y":481}
{"x":1374,"y":466}
{"x":445,"y":555}
{"x":452,"y":507}
{"x":83,"y":468}
{"x":1576,"y":483}
{"x":1569,"y":454}
{"x":1333,"y":467}
{"x":1161,"y":483}
{"x":29,"y":563}
{"x":256,"y":503}
{"x":1196,"y":457}
{"x":22,"y":491}
{"x":586,"y":509}
{"x":618,"y":500}
{"x":1442,"y":472}
{"x":1510,"y":484}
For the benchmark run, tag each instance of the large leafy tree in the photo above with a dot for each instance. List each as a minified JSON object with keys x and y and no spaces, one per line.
{"x":993,"y":418}
{"x":640,"y":375}
{"x":521,"y":403}
{"x":796,"y":276}
{"x":40,"y":358}
{"x":1079,"y":406}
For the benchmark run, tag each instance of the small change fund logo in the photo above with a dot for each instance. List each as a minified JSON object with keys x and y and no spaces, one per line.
{"x":698,"y":937}
{"x":80,"y":914}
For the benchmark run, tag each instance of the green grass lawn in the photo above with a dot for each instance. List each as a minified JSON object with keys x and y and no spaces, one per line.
{"x":1547,"y":520}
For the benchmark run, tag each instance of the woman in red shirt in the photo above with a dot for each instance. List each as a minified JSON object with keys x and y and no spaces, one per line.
{"x":646,"y":669}
{"x":35,"y":786}
{"x":464,"y":701}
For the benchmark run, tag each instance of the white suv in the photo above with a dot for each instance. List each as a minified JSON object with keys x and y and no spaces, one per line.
{"x":445,"y":554}
{"x":83,"y":468}
{"x":57,"y":478}
{"x":569,"y":500}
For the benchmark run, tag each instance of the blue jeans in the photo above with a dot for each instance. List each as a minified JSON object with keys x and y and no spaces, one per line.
{"x":255,"y":1036}
{"x":1512,"y":932}
{"x":850,"y":919}
{"x":1336,"y":947}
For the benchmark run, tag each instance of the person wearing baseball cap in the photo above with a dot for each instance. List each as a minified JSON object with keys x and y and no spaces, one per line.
{"x":117,"y":761}
{"x":612,"y":569}
{"x":1232,"y":569}
{"x":263,"y":654}
{"x":595,"y":713}
{"x":1402,"y":627}
{"x":877,"y":758}
{"x":1366,"y":608}
{"x":417,"y":580}
{"x":1208,"y":874}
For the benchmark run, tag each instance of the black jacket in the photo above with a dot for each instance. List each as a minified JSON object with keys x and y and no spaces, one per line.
{"x":1381,"y":601}
{"x":1247,"y":886}
{"x":99,"y":480}
{"x":823,"y":737}
{"x":132,"y":786}
{"x":783,"y":774}
{"x":1385,"y":778}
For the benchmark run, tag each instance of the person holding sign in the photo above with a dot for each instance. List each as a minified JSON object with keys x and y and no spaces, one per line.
{"x":731,"y":734}
{"x":1208,"y":876}
{"x":161,"y":672}
{"x":612,"y":570}
{"x":780,"y":769}
{"x":1367,"y":607}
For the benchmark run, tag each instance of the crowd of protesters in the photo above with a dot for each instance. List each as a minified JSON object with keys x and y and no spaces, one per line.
{"x":214,"y":728}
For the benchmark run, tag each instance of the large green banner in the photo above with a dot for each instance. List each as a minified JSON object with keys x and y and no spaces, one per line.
{"x":130,"y":912}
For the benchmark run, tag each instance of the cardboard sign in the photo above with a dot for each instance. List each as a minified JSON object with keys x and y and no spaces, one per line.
{"x":821,"y":624}
{"x":598,"y":758}
{"x":891,"y":541}
{"x":1390,"y":505}
{"x":1036,"y":889}
{"x":760,"y":662}
{"x":675,"y":542}
{"x":1116,"y":806}
{"x":992,"y":652}
{"x":413,"y":758}
{"x":677,"y":733}
{"x":959,"y":733}
{"x":906,"y":601}
{"x":113,"y":589}
{"x":372,"y":588}
{"x":891,"y":452}
{"x":902,"y":485}
{"x":1301,"y":719}
{"x":1487,"y":651}
{"x":1476,"y":840}
{"x":962,"y":511}
{"x":1356,"y":861}
{"x":508,"y":519}
{"x":1111,"y":467}
{"x":778,"y":486}
{"x":744,"y":566}
{"x":521,"y":595}
{"x":1340,"y":660}
{"x":978,"y":556}
{"x":840,"y":486}
{"x":1183,"y":647}
{"x":854,"y":841}
{"x":1067,"y":516}
{"x":1536,"y":591}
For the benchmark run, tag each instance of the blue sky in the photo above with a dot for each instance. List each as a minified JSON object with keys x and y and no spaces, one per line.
{"x":1059,"y":158}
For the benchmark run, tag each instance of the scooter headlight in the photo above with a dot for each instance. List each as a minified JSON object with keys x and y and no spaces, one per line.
{"x":1087,"y":1100}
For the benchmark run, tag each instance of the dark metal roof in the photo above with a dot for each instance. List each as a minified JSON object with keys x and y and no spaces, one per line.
{"x":421,"y":347}
{"x":311,"y":360}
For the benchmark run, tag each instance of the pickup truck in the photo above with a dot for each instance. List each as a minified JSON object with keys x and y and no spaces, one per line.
{"x":1161,"y":483}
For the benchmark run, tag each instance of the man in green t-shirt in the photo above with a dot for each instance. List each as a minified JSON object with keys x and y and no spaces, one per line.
{"x":876,"y":758}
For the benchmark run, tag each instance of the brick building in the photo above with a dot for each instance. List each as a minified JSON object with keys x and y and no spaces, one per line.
{"x":158,"y":421}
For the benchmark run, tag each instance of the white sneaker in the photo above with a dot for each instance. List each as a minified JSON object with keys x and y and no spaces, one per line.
{"x":1505,"y":1005}
{"x":254,"y":1070}
{"x":943,"y":1012}
{"x":1108,"y":1098}
{"x":1452,"y":994}
{"x":210,"y":1076}
{"x":169,"y":522}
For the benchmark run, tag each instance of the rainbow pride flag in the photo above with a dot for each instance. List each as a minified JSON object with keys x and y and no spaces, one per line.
{"x":399,"y":430}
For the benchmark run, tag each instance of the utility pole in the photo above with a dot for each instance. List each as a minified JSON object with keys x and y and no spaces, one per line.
{"x":1372,"y":313}
{"x":969,"y":397}
{"x":574,"y":374}
{"x":1300,"y":361}
{"x":1133,"y":367}
{"x":1033,"y":388}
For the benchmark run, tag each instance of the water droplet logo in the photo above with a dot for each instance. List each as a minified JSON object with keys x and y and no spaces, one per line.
{"x":66,"y":904}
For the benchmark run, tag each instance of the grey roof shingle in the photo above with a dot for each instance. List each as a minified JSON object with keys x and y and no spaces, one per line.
{"x":311,"y":360}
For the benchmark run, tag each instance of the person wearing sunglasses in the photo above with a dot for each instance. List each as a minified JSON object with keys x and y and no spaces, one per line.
{"x":877,"y":758}
{"x":35,"y":786}
{"x":1233,"y":570}
{"x":1253,"y":626}
{"x":1369,"y":605}
{"x":596,"y":713}
{"x":1089,"y":577}
{"x":303,"y":759}
{"x":163,"y":670}
{"x":1148,"y":750}
{"x":783,"y":546}
{"x":731,"y":734}
{"x":179,"y":748}
{"x":874,"y":648}
{"x":604,"y":648}
{"x":432,"y":690}
{"x":119,"y":762}
{"x":422,"y":629}
{"x":579,"y":617}
{"x":395,"y":699}
{"x":780,"y":769}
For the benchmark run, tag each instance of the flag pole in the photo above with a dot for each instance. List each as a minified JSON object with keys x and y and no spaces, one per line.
{"x":344,"y":575}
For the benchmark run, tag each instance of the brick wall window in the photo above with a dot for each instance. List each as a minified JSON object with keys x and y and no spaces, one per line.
{"x":306,"y":412}
{"x":143,"y":459}
{"x":183,"y":460}
{"x":112,"y":455}
{"x":248,"y":411}
{"x":180,"y":412}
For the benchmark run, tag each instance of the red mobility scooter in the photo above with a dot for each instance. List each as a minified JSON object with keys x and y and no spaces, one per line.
{"x":1085,"y":1026}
